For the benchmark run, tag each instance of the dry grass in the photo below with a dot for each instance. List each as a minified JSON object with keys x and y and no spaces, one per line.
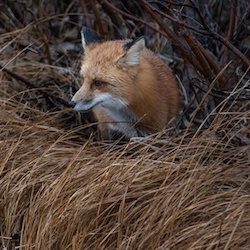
{"x":61,"y":191}
{"x":186,"y":187}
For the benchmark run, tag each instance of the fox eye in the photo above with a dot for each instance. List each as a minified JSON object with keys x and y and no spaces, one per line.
{"x":97,"y":83}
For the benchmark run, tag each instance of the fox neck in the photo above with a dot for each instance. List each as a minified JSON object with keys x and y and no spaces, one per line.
{"x":120,"y":114}
{"x":124,"y":120}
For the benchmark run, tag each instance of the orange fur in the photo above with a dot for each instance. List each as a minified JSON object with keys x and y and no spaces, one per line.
{"x":143,"y":86}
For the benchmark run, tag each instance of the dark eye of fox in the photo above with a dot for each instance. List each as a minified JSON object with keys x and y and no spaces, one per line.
{"x":97,"y":83}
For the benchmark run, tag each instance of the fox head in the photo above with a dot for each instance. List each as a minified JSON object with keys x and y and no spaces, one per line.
{"x":107,"y":72}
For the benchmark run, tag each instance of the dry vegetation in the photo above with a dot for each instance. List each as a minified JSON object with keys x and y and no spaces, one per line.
{"x":187,"y":187}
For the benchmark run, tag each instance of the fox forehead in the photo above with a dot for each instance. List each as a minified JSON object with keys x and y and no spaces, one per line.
{"x":102,"y":55}
{"x":106,"y":50}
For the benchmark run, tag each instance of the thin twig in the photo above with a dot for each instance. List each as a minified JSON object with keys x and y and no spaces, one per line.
{"x":43,"y":36}
{"x":97,"y":16}
{"x":85,"y":12}
{"x":32,"y":85}
{"x":222,"y":39}
{"x":174,"y":39}
{"x":123,"y":13}
{"x":196,"y":46}
{"x":230,"y":32}
{"x":113,"y":16}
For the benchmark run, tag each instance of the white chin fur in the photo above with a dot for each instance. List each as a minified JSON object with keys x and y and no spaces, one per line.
{"x":117,"y":109}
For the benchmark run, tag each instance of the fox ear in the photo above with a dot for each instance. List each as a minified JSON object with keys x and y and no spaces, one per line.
{"x":132,"y":54}
{"x":89,"y":37}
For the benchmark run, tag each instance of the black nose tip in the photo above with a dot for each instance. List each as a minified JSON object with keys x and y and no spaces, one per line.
{"x":72,"y":104}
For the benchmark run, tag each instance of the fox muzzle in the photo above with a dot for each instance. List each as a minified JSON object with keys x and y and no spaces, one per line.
{"x":72,"y":104}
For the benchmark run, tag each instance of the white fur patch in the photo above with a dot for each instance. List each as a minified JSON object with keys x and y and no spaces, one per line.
{"x":117,"y":108}
{"x":124,"y":118}
{"x":82,"y":70}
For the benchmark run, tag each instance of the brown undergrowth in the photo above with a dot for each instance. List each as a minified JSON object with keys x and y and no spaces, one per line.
{"x":58,"y":190}
{"x":186,"y":187}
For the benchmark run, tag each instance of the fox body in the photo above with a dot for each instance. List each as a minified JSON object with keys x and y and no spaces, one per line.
{"x":130,"y":90}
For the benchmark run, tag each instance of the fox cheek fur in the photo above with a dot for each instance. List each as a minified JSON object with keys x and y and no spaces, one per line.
{"x":130,"y":90}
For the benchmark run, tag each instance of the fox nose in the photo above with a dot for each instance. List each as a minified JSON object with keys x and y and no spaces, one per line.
{"x":72,"y":104}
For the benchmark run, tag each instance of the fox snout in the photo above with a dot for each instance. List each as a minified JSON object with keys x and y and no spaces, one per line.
{"x":86,"y":103}
{"x":72,"y":104}
{"x":82,"y":105}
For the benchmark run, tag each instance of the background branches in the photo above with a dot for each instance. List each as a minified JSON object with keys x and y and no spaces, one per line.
{"x":186,"y":187}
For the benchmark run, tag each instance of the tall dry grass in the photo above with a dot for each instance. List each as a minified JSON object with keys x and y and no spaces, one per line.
{"x":61,"y":191}
{"x":186,"y":187}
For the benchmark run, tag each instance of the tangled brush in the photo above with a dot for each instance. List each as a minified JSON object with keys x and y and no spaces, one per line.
{"x":186,"y":187}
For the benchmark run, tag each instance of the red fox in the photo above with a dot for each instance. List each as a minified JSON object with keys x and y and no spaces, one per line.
{"x":130,"y":90}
